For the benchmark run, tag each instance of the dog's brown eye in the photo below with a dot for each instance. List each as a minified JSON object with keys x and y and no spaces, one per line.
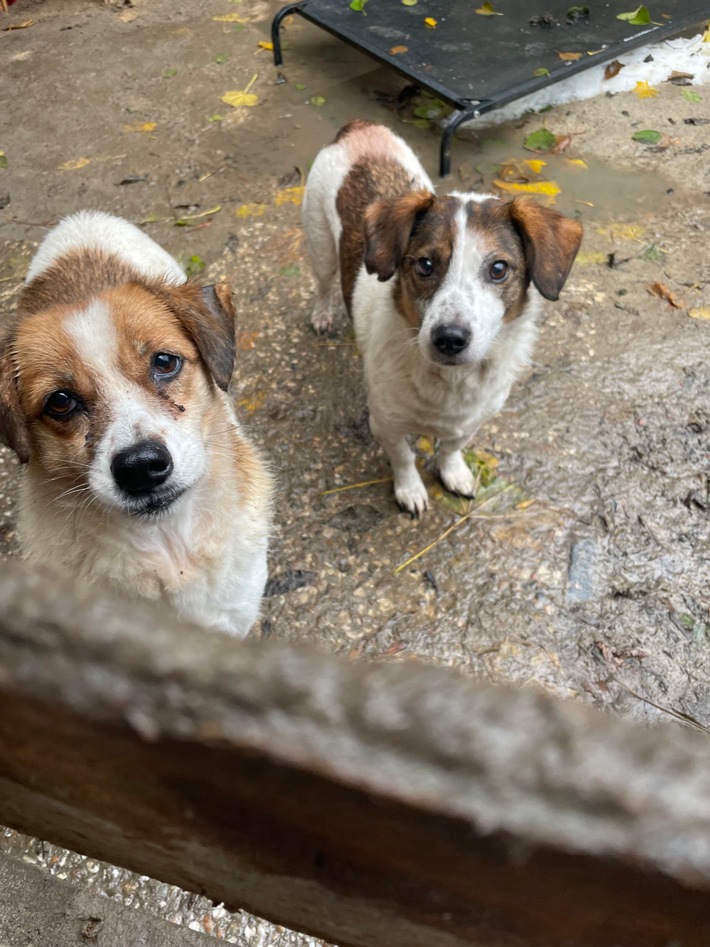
{"x":166,"y":365}
{"x":61,"y":405}
{"x":498,"y":271}
{"x":424,"y":267}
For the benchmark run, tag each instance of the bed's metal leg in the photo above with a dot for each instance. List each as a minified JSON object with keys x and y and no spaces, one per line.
{"x":457,"y":118}
{"x":276,"y":27}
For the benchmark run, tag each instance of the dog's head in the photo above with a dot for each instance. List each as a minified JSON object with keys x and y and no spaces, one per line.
{"x":464,"y":264}
{"x":114,"y":398}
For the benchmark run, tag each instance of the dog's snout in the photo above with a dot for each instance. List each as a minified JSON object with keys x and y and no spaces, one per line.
{"x":450,"y":339}
{"x":142,"y":467}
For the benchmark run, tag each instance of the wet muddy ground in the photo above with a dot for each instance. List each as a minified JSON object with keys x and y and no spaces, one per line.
{"x":584,"y":565}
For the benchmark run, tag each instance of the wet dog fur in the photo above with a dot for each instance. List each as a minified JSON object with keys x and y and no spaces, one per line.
{"x":113,"y":381}
{"x":444,"y":293}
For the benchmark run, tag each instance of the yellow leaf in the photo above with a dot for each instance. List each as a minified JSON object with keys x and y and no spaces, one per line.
{"x":240,"y":99}
{"x":254,"y":403}
{"x":74,"y":165}
{"x":250,"y":210}
{"x":230,"y":18}
{"x":524,"y":504}
{"x":535,"y":164}
{"x":425,"y":445}
{"x":486,"y":9}
{"x":644,"y":91}
{"x":396,"y":50}
{"x":623,"y":231}
{"x":544,"y":188}
{"x":141,"y":127}
{"x":569,"y":57}
{"x":127,"y":16}
{"x":700,"y":312}
{"x":289,"y":195}
{"x":266,"y":45}
{"x":430,"y":22}
{"x":578,"y":163}
{"x":585,"y":258}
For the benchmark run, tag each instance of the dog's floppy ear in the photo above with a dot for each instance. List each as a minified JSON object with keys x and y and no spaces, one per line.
{"x":550,"y":241}
{"x":207,"y":313}
{"x":388,"y":227}
{"x":13,"y":430}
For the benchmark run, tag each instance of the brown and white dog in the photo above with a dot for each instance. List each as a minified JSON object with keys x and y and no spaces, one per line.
{"x":444,"y":293}
{"x":113,"y":380}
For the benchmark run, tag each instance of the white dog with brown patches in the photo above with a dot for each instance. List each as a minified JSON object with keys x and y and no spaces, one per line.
{"x":113,"y":380}
{"x":444,"y":293}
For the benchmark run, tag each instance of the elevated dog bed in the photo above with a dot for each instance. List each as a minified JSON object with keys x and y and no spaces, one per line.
{"x":477,"y":61}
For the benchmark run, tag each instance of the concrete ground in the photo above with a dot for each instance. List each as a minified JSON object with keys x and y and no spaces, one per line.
{"x":588,"y":574}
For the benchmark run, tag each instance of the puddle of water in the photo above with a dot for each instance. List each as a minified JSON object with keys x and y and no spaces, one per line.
{"x":587,"y":186}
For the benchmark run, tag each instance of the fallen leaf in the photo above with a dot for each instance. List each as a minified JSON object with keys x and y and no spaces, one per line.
{"x":409,"y":3}
{"x":699,"y":312}
{"x":396,"y":50}
{"x":240,"y":99}
{"x":623,"y":231}
{"x":265,"y":44}
{"x":544,"y":188}
{"x":74,"y":165}
{"x":561,"y":145}
{"x":221,"y":59}
{"x":569,"y":57}
{"x":644,"y":91}
{"x":647,"y":136}
{"x":535,"y":164}
{"x":231,"y":18}
{"x":638,"y":17}
{"x":246,"y":339}
{"x":194,"y":266}
{"x":690,"y":95}
{"x":127,"y":16}
{"x":185,"y":221}
{"x":169,"y":72}
{"x":317,"y":100}
{"x":486,"y":9}
{"x":541,"y":72}
{"x":215,"y":118}
{"x":3,"y":160}
{"x":299,"y":86}
{"x":577,"y":14}
{"x":584,"y":258}
{"x":430,"y":22}
{"x":289,"y":195}
{"x":578,"y":163}
{"x":250,"y":210}
{"x":18,"y":26}
{"x":358,"y":6}
{"x":663,"y":292}
{"x":141,"y":127}
{"x":613,"y":69}
{"x":541,"y":140}
{"x":291,"y":269}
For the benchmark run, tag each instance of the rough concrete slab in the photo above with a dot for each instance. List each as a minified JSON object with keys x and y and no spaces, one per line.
{"x":37,"y":910}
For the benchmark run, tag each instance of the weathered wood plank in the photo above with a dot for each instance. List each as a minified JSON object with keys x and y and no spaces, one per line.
{"x":375,"y":806}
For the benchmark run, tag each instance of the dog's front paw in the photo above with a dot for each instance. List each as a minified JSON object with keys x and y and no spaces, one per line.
{"x":411,"y":495}
{"x":321,"y":318}
{"x":456,"y":475}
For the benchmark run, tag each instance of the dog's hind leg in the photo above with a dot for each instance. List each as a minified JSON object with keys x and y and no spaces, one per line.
{"x":323,"y":254}
{"x":409,"y":489}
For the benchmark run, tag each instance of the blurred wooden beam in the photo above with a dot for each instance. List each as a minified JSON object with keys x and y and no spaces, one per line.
{"x":374,"y":806}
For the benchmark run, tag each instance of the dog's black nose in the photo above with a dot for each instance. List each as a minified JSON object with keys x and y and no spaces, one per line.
{"x":142,"y":467}
{"x":451,"y":339}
